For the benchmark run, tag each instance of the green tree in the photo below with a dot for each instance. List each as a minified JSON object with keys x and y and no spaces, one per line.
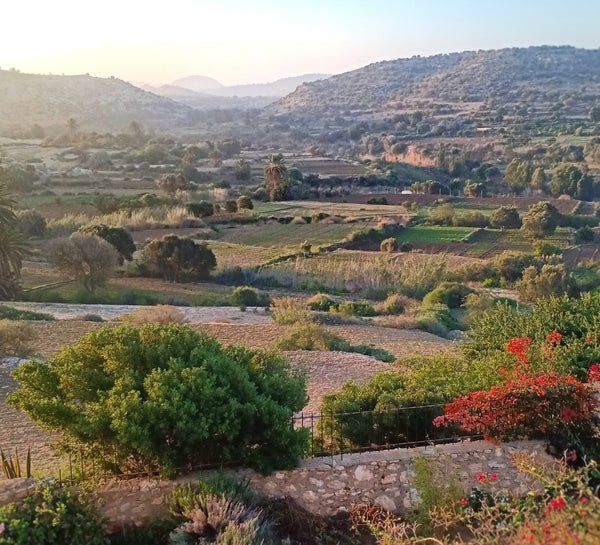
{"x":12,"y":248}
{"x":518,"y":175}
{"x":505,"y":217}
{"x":176,"y":259}
{"x":569,"y":180}
{"x":168,"y":396}
{"x":276,"y":179}
{"x":170,"y":183}
{"x":540,"y":220}
{"x":242,"y":169}
{"x":550,"y":280}
{"x":31,"y":223}
{"x":120,"y":238}
{"x":84,"y":257}
{"x":538,"y":179}
{"x":594,"y":113}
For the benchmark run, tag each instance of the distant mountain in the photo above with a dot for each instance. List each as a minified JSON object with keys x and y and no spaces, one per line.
{"x":278,"y":88}
{"x":101,"y":104}
{"x":505,"y":76}
{"x":200,"y":84}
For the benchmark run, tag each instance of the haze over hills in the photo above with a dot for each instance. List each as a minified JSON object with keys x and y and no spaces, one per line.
{"x":101,"y":104}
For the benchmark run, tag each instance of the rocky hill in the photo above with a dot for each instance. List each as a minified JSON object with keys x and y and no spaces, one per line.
{"x":516,"y":75}
{"x":100,"y":104}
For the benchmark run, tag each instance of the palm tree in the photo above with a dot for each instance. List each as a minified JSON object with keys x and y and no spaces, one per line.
{"x":276,"y":179}
{"x":12,"y":248}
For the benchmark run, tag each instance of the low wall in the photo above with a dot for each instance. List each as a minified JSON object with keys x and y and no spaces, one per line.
{"x":327,"y":485}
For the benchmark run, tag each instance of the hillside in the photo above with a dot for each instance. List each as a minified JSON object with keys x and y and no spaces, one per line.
{"x":100,"y":104}
{"x":515,"y":75}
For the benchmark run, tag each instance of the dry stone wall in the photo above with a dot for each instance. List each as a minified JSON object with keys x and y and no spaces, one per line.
{"x":328,"y":485}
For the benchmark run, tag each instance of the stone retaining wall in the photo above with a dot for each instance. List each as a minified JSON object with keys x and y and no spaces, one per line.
{"x":327,"y":485}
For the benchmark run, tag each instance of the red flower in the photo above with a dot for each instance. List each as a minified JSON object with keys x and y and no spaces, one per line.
{"x":554,"y":338}
{"x":493,"y":476}
{"x":463,"y":502}
{"x":584,"y":499}
{"x":588,"y":340}
{"x":594,"y":373}
{"x":568,"y":415}
{"x":481,"y":477}
{"x":557,"y":503}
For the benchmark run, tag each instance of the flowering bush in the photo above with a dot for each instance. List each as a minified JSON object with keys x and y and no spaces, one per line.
{"x":526,"y":405}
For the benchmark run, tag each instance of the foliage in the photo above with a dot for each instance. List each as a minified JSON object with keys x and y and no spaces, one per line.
{"x":231,"y":206}
{"x":355,"y":308}
{"x":12,"y":249}
{"x":178,"y":259}
{"x":289,"y":310}
{"x":584,"y":234}
{"x":84,"y":257}
{"x":505,"y":217}
{"x":451,"y":294}
{"x":569,"y":180}
{"x":389,"y":245}
{"x":51,"y":515}
{"x":320,"y":302}
{"x":120,"y":238}
{"x":245,"y":203}
{"x":10,"y":313}
{"x":11,"y":467}
{"x":549,"y":280}
{"x":246,"y":296}
{"x":393,"y":304}
{"x":31,"y":224}
{"x":540,"y":220}
{"x":168,"y":395}
{"x":420,"y":276}
{"x":170,"y":183}
{"x":14,"y":337}
{"x":510,"y":265}
{"x":527,"y":405}
{"x":277,"y":184}
{"x":518,"y":175}
{"x":201,"y":209}
{"x":309,"y":336}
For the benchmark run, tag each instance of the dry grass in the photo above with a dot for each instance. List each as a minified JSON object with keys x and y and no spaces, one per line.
{"x":15,"y":337}
{"x":159,"y":314}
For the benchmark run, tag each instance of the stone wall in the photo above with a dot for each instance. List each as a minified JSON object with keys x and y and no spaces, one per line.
{"x":326,"y":485}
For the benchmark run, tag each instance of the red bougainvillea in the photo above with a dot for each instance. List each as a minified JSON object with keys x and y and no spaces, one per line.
{"x":594,"y":373}
{"x":526,"y":405}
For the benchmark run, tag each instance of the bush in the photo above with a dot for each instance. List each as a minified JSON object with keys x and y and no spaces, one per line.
{"x":167,"y":396}
{"x":545,"y":249}
{"x":320,"y":302}
{"x":289,"y":310}
{"x":550,"y":280}
{"x":51,"y":515}
{"x":32,"y":224}
{"x":231,"y":206}
{"x":584,"y":235}
{"x":355,"y":308}
{"x":89,"y":318}
{"x":200,"y":209}
{"x":245,"y":296}
{"x":10,"y":313}
{"x":159,"y":314}
{"x":394,"y":304}
{"x":245,"y":203}
{"x":437,"y":313}
{"x":14,"y":337}
{"x":451,"y":294}
{"x":120,"y":238}
{"x":389,"y":245}
{"x":505,"y":217}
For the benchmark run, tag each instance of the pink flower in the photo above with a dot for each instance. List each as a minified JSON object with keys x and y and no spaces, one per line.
{"x":493,"y":476}
{"x":557,"y":503}
{"x":481,"y":477}
{"x":463,"y":502}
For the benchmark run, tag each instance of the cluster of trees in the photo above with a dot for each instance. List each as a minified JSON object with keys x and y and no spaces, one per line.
{"x":12,"y":248}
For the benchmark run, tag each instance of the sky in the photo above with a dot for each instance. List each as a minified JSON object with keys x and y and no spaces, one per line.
{"x":236,"y":41}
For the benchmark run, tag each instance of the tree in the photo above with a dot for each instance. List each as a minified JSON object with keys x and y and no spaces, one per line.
{"x":538,"y":179}
{"x":176,"y":259}
{"x":201,"y":209}
{"x":518,"y":175}
{"x":245,"y":202}
{"x":242,"y":169}
{"x":12,"y":248}
{"x":276,"y":180}
{"x":84,"y":257}
{"x":550,"y":280}
{"x":505,"y":217}
{"x":231,"y":206}
{"x":389,"y":245}
{"x":540,"y":220}
{"x":170,"y":183}
{"x":569,"y":180}
{"x":31,"y":223}
{"x":120,"y":238}
{"x":594,"y":113}
{"x":168,"y":396}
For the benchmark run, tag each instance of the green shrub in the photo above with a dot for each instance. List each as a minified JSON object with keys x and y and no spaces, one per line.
{"x":32,"y":224}
{"x":584,"y":235}
{"x":89,"y":318}
{"x":49,"y":516}
{"x":231,"y":206}
{"x":355,"y":308}
{"x":440,"y":313}
{"x":169,"y":396}
{"x":201,"y":209}
{"x":394,"y":304}
{"x":544,"y":249}
{"x":320,"y":302}
{"x":245,"y":295}
{"x":10,"y":313}
{"x":550,"y":280}
{"x":14,"y":337}
{"x":450,"y":294}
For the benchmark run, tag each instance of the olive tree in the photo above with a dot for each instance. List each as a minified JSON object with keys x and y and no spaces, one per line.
{"x":540,"y":220}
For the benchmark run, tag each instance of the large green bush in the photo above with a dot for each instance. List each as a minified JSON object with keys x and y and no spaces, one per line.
{"x":50,"y":516}
{"x":168,"y":395}
{"x":451,"y":294}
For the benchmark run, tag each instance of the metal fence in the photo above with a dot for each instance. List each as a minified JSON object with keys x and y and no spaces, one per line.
{"x":327,"y":434}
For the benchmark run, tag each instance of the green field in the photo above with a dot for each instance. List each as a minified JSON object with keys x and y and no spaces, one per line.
{"x":433,"y":234}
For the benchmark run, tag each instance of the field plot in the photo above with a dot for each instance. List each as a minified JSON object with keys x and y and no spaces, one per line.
{"x":433,"y":234}
{"x":325,"y":167}
{"x":345,"y":209}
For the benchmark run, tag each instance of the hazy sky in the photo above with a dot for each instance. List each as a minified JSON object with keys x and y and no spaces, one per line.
{"x":262,"y":40}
